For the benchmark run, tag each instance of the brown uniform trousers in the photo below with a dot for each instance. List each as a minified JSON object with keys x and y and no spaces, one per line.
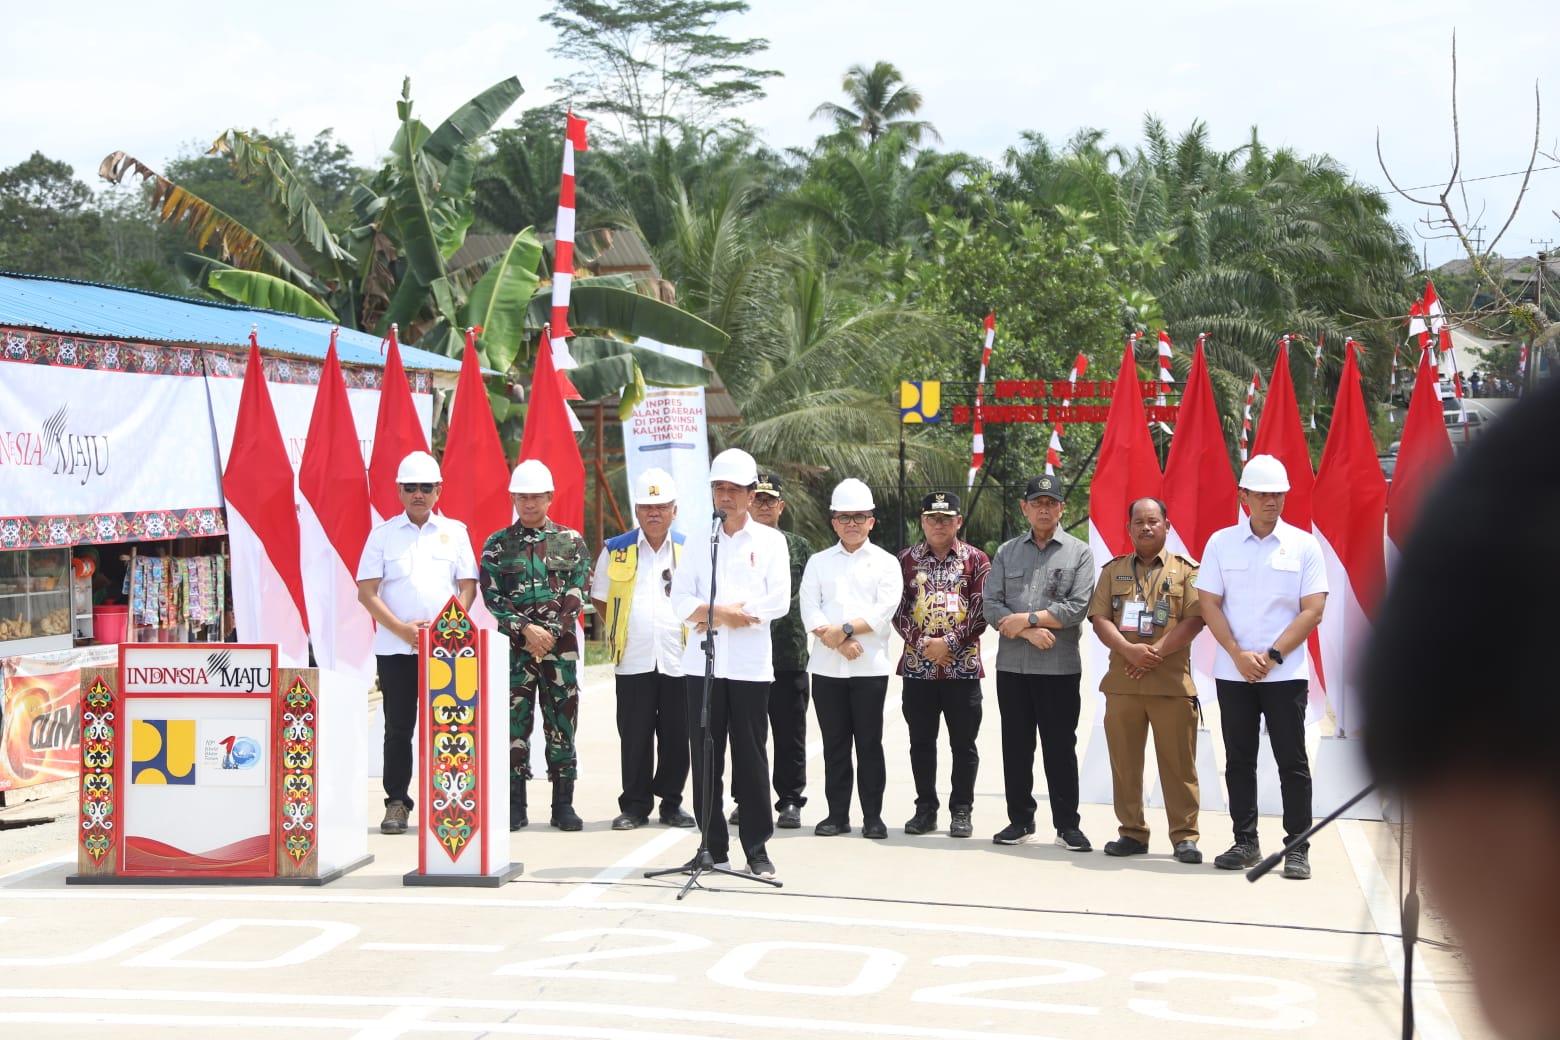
{"x":1164,"y":700}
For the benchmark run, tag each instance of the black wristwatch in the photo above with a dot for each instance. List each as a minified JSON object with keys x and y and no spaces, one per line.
{"x":1277,"y":657}
{"x":849,"y":629}
{"x":1034,"y":619}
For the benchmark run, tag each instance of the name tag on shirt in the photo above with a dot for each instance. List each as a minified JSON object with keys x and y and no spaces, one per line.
{"x":1132,"y":617}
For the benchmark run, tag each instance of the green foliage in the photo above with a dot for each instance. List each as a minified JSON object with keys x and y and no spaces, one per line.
{"x":875,"y":99}
{"x":654,"y":65}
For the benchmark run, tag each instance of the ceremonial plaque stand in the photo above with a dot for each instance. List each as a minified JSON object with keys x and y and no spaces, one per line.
{"x":463,"y":755}
{"x":207,"y":764}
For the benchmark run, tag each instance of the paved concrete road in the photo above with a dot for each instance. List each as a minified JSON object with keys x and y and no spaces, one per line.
{"x":925,"y":937}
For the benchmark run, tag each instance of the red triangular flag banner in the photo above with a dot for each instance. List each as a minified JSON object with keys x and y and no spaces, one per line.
{"x":397,"y":433}
{"x":1280,"y":434}
{"x":1128,"y":468}
{"x":1423,"y":453}
{"x":548,"y":436}
{"x":476,"y":474}
{"x":1199,"y":482}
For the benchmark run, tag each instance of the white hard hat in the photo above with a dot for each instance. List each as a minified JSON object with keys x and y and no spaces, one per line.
{"x":419,"y":468}
{"x":1264,"y":473}
{"x":531,"y":477}
{"x":851,"y":496}
{"x":734,"y":466}
{"x":654,"y":487}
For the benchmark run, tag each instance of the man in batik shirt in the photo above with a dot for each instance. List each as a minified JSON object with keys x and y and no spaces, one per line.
{"x":941,"y":620}
{"x":534,"y":574}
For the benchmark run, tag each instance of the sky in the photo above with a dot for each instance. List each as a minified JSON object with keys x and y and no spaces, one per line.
{"x":84,"y":79}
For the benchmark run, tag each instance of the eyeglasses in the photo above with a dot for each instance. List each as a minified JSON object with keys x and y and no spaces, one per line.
{"x":412,"y":489}
{"x":854,"y":519}
{"x":666,"y":580}
{"x":937,"y":518}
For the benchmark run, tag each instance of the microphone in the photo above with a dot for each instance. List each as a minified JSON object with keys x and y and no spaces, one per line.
{"x":720,"y":514}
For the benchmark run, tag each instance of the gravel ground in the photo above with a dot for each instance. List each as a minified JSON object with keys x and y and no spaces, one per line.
{"x":21,"y":838}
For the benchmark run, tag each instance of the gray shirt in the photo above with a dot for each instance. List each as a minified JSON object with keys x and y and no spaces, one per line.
{"x":1059,"y":578}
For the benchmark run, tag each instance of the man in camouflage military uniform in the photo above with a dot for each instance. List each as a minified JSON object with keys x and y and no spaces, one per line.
{"x":788,"y":694}
{"x":534,"y":574}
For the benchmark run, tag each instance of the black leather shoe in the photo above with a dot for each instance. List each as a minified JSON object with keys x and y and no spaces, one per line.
{"x":790,"y":816}
{"x":628,"y":821}
{"x":677,"y":816}
{"x":923,"y":822}
{"x":829,"y":828}
{"x":1125,"y":847}
{"x":1186,"y":851}
{"x":874,"y":829}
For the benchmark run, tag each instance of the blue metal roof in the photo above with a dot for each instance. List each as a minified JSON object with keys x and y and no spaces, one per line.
{"x":111,"y":312}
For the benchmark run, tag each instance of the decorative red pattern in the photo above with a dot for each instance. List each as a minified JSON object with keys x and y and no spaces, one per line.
{"x":248,"y":856}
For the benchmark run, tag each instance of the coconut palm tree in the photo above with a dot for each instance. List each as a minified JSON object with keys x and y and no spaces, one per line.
{"x":877,"y":98}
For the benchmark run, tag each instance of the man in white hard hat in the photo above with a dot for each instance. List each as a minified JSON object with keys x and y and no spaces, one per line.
{"x":533,"y":575}
{"x":1263,"y":585}
{"x":411,"y":565}
{"x":751,"y":587}
{"x":632,"y":590}
{"x":849,"y":594}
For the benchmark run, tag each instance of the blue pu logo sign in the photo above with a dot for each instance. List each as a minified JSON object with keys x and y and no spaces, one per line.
{"x":162,"y":751}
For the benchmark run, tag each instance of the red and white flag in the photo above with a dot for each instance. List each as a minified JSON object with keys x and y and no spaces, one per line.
{"x":1053,"y":452}
{"x":1350,"y":514}
{"x":1281,"y":434}
{"x":1443,"y":341}
{"x":1166,"y":375}
{"x":1199,"y":484}
{"x":476,"y":474}
{"x":1128,"y":467}
{"x":563,"y":258}
{"x":549,"y":437}
{"x":1245,"y":428}
{"x":262,"y":518}
{"x":978,"y":439}
{"x":397,"y":433}
{"x":333,"y":523}
{"x":1423,"y":452}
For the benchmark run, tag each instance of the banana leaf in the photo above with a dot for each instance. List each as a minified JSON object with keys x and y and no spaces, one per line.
{"x":604,"y":377}
{"x":258,"y":289}
{"x":630,"y":314}
{"x":657,"y":369}
{"x":499,"y":300}
{"x":473,"y":119}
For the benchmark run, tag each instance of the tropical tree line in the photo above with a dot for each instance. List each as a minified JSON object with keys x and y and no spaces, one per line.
{"x":815,"y":279}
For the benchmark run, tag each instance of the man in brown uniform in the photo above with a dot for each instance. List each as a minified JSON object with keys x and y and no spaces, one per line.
{"x":1145,"y":611}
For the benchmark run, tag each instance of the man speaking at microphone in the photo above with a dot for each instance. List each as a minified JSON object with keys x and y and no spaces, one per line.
{"x":751,"y":583}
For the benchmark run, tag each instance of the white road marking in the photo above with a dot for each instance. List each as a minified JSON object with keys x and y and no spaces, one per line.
{"x":634,"y":1012}
{"x":650,"y":851}
{"x":1430,"y":1015}
{"x":25,"y":872}
{"x":431,"y":947}
{"x":397,"y":1023}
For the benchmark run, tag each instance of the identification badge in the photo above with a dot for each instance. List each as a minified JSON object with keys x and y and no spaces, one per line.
{"x":1132,"y":617}
{"x":1161,"y":613}
{"x":1145,"y":624}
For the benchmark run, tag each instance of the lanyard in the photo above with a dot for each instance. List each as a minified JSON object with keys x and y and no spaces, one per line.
{"x":1148,"y":580}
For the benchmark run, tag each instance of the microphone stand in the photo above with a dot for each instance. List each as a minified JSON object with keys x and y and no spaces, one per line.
{"x":1408,"y":912}
{"x":702,"y":862}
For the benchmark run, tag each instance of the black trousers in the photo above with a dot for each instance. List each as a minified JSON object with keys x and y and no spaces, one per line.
{"x":788,"y":735}
{"x":398,"y":684}
{"x":850,"y":713}
{"x":652,"y":724}
{"x":1047,"y":705}
{"x":738,"y":711}
{"x":1282,"y":704}
{"x":926,"y":702}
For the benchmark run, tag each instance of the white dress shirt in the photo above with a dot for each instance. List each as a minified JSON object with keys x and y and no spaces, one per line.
{"x":754,"y":570}
{"x":838,"y":586}
{"x":418,"y":570}
{"x":1261,"y":581}
{"x":655,"y":632}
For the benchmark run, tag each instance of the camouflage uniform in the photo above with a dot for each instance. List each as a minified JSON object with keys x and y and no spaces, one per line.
{"x":538,"y":576}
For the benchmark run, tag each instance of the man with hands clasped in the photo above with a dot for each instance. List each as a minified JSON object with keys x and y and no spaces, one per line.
{"x":849,"y":594}
{"x":1036,"y":595}
{"x":1263,"y":586}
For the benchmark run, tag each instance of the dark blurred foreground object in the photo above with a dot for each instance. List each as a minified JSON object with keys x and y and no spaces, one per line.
{"x":1462,"y":716}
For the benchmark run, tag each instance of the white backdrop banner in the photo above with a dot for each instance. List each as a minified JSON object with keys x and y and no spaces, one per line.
{"x":667,"y":430}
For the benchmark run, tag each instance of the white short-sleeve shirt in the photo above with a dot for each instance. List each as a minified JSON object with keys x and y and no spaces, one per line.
{"x":418,"y":570}
{"x":1261,"y":581}
{"x":655,"y":632}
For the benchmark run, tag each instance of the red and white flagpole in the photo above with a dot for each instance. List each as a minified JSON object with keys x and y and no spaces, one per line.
{"x":563,"y":258}
{"x":1245,"y":430}
{"x":1166,"y":376}
{"x":1053,"y":452}
{"x":1316,"y":379}
{"x":978,"y":441}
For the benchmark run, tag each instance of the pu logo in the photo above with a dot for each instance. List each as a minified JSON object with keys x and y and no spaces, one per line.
{"x":655,"y":491}
{"x":162,"y":751}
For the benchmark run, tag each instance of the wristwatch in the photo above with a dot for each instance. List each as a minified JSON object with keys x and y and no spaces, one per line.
{"x":1034,"y":619}
{"x":1277,"y":657}
{"x":849,"y":629}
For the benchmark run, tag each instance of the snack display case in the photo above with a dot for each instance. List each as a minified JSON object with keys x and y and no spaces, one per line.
{"x":35,"y":601}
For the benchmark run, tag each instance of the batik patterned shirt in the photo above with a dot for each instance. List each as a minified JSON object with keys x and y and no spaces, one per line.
{"x":942,"y":598}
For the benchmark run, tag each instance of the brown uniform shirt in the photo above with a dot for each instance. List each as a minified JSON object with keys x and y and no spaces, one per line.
{"x":1171,"y":579}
